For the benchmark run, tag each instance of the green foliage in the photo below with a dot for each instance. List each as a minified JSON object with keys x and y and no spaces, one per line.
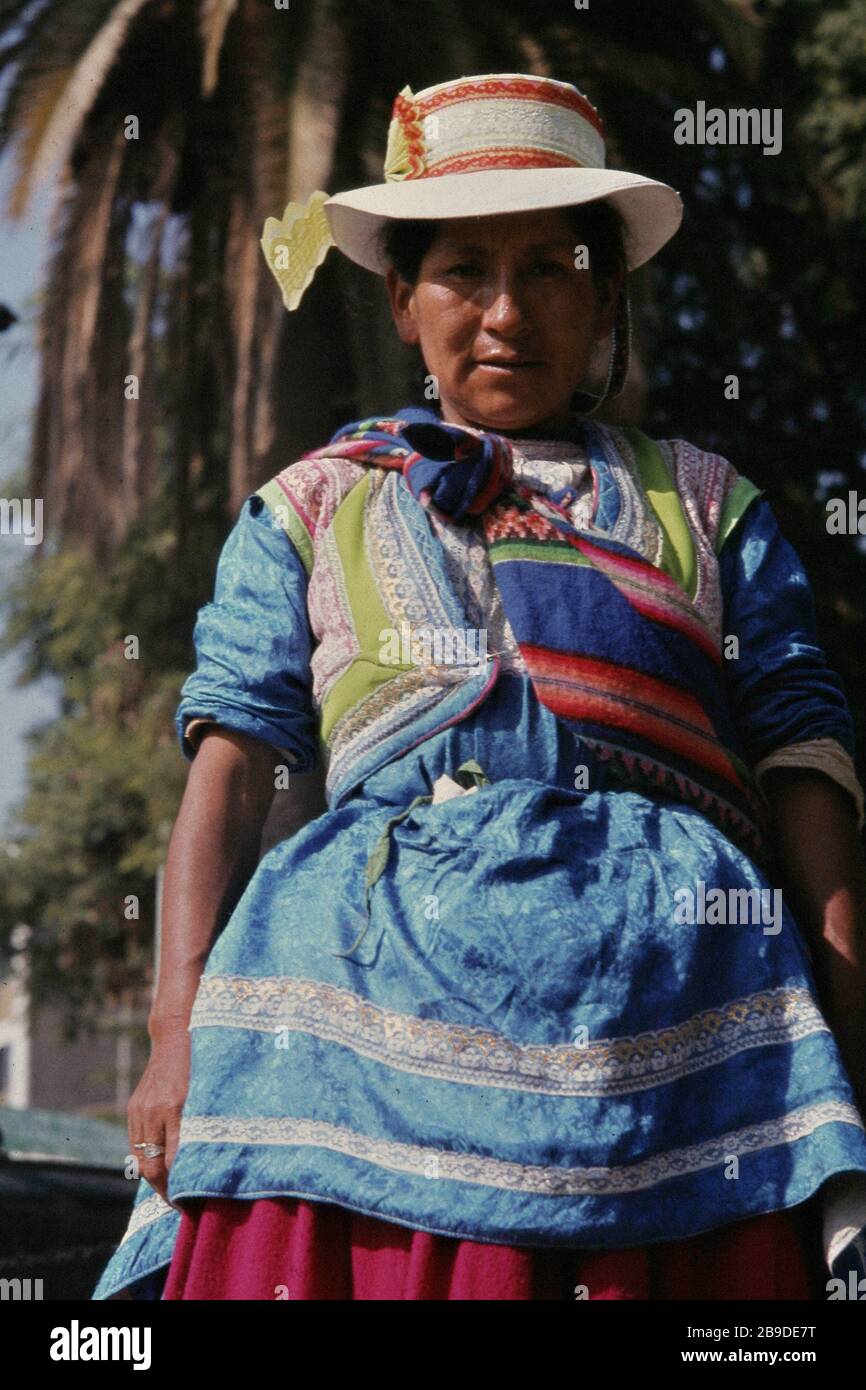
{"x":764,"y":281}
{"x":106,"y":776}
{"x":833,"y":53}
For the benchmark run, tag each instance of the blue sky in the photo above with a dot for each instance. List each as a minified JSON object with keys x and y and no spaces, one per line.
{"x":22,"y":251}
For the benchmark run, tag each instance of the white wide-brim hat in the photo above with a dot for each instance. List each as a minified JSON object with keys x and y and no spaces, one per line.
{"x":652,"y":211}
{"x":474,"y":147}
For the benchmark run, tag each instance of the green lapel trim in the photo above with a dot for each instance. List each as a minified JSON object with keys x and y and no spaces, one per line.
{"x":369,"y":615}
{"x":737,"y":502}
{"x":678,"y":549}
{"x":286,"y":517}
{"x":527,"y":549}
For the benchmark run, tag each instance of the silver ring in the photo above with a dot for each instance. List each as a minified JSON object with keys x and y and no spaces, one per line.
{"x":150,"y":1150}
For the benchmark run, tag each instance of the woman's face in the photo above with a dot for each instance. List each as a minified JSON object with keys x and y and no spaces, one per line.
{"x":504,"y":320}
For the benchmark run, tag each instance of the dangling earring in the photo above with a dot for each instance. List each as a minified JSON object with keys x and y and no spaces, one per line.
{"x":620,"y":360}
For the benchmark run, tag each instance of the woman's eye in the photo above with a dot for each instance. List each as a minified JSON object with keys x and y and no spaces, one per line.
{"x":465,"y":270}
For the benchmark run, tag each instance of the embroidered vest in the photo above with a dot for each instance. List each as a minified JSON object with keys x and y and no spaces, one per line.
{"x":648,"y":697}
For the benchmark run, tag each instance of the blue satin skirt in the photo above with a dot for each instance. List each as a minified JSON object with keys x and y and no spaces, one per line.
{"x":529,"y":1039}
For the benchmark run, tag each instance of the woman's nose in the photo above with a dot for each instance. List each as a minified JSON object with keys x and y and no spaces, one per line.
{"x":504,"y":309}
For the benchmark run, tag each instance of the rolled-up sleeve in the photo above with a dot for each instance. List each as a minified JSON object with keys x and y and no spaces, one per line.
{"x":788,"y":703}
{"x":253,"y":646}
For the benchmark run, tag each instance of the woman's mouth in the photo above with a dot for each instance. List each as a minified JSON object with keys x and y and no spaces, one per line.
{"x":507,"y":365}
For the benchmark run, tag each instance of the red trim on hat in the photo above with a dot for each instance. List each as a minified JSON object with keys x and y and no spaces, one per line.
{"x":521,"y":88}
{"x":406,"y":112}
{"x":503,"y":157}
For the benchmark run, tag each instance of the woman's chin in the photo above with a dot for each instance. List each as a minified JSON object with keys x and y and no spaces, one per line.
{"x":507,"y":410}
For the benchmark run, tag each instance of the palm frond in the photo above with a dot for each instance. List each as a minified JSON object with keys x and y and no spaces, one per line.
{"x":214,"y":16}
{"x":68,"y":421}
{"x":138,"y":409}
{"x":65,"y":98}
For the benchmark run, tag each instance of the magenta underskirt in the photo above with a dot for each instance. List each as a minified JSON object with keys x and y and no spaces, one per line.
{"x":282,"y":1247}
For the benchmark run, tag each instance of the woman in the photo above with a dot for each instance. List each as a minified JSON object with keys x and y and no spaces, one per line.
{"x":523,"y":1014}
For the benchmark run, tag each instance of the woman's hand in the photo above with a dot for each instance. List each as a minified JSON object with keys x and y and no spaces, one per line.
{"x":155,"y":1106}
{"x":214,"y":850}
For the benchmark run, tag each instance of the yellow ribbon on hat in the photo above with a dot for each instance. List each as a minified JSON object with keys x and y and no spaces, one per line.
{"x":405,"y":151}
{"x":295,"y":246}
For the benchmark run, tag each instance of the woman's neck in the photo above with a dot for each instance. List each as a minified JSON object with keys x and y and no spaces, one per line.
{"x":572,"y":429}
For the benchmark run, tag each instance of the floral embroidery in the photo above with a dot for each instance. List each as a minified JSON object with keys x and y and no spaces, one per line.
{"x":452,"y":1052}
{"x":550,"y":1181}
{"x":145,"y":1213}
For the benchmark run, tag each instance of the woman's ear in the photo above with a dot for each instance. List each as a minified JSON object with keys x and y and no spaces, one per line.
{"x":402,"y":299}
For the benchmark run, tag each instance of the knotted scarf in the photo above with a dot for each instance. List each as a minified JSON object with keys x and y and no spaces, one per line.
{"x":612,"y":643}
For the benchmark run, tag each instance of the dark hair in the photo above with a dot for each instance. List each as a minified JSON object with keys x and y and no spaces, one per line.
{"x":598,"y":225}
